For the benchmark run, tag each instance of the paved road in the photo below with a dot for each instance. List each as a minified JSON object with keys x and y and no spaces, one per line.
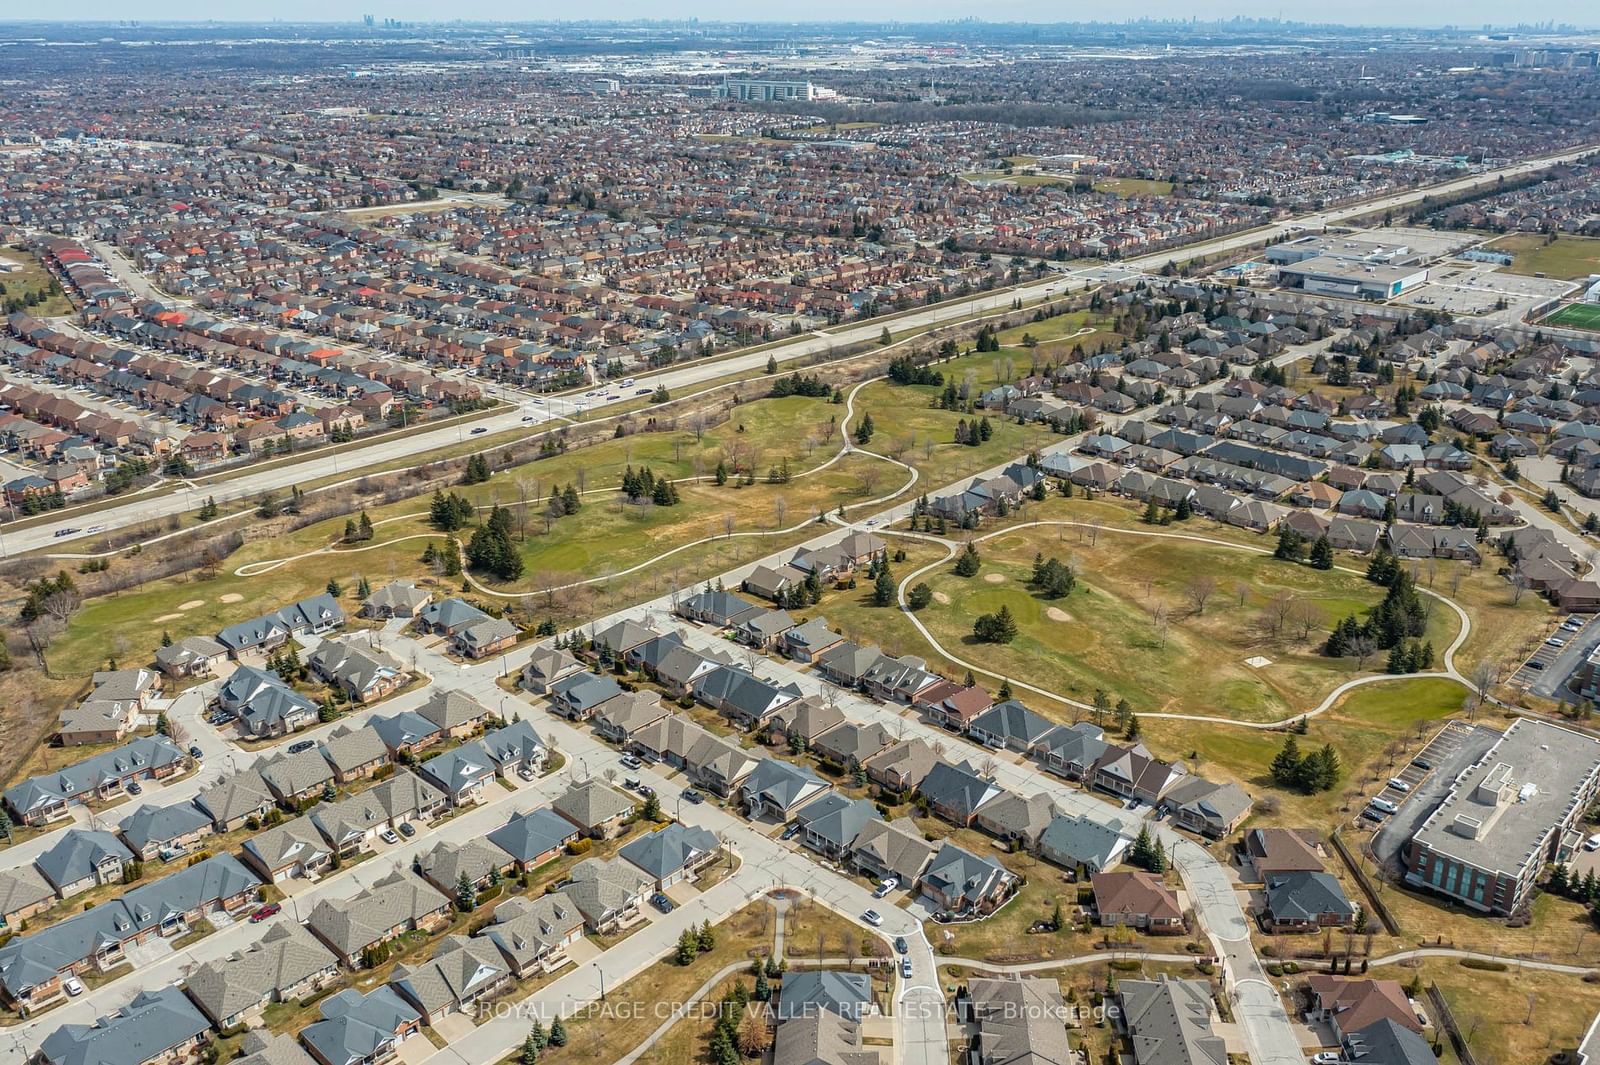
{"x":679,"y":378}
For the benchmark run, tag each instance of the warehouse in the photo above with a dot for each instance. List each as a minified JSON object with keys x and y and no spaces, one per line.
{"x":1325,"y":275}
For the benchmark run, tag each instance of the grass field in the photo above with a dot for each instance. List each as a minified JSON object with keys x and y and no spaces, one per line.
{"x":1577,"y":316}
{"x":31,"y":279}
{"x":1127,"y":187}
{"x":1568,"y":257}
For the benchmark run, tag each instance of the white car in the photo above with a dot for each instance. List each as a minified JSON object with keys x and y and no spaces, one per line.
{"x":873,"y":917}
{"x":886,"y":887}
{"x":1399,"y":785}
{"x":388,"y":836}
{"x":1326,"y":1057}
{"x":73,"y":986}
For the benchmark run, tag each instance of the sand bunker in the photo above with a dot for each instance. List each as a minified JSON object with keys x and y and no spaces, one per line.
{"x":940,"y":597}
{"x":231,"y":597}
{"x":994,"y":578}
{"x":168,"y":617}
{"x":1055,"y":613}
{"x":191,"y":604}
{"x":1257,"y":662}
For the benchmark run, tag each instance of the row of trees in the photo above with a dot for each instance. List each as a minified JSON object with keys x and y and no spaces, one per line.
{"x":1312,"y":772}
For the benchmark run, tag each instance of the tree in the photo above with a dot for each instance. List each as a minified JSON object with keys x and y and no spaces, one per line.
{"x":537,"y":1034}
{"x":919,"y":596}
{"x":688,"y":947}
{"x":466,"y":894}
{"x":651,"y":810}
{"x":1201,"y":589}
{"x":707,"y":938}
{"x":333,"y":587}
{"x":763,"y":985}
{"x":883,"y":587}
{"x":999,"y":627}
{"x":865,"y":430}
{"x":558,"y":1033}
{"x":1322,"y":554}
{"x":530,"y":1051}
{"x":754,"y":1035}
{"x":968,"y":562}
{"x":1285,"y":766}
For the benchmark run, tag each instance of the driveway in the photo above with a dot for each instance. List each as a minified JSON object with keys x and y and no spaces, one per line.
{"x":453,"y":1026}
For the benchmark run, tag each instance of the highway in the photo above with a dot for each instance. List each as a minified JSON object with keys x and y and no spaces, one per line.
{"x":533,"y":415}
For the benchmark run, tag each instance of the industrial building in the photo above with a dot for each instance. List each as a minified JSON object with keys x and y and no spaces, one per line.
{"x":1325,"y":275}
{"x":1514,"y":810}
{"x":763,"y":90}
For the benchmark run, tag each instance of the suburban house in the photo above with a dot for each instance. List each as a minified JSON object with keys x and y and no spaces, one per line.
{"x":548,"y":665}
{"x":775,"y":789}
{"x":286,"y":965}
{"x":83,"y":858}
{"x":597,"y":809}
{"x":484,"y":638}
{"x":1350,"y":1005}
{"x":955,"y":792}
{"x":1137,"y":899}
{"x":533,"y":935}
{"x":1199,"y":805}
{"x":296,"y":777}
{"x":358,"y":1029}
{"x":48,"y":797}
{"x":672,"y":854}
{"x":717,"y":608}
{"x":478,"y":860}
{"x":1134,"y":773}
{"x":98,"y":721}
{"x":580,"y":695}
{"x":901,"y":767}
{"x":397,"y":599}
{"x":534,"y":838}
{"x":1071,"y":751}
{"x":461,"y":973}
{"x":952,"y":705}
{"x":448,"y":617}
{"x":395,"y":904}
{"x":1072,"y":842}
{"x":830,"y":825}
{"x":1015,"y":819}
{"x":354,"y":753}
{"x":884,"y":849}
{"x":709,"y":760}
{"x":363,"y":674}
{"x":23,"y":893}
{"x":805,"y":643}
{"x":958,"y":881}
{"x":155,"y":1026}
{"x":620,"y":719}
{"x":288,"y":851}
{"x":192,"y":656}
{"x":846,"y":664}
{"x":852,"y":743}
{"x":309,"y":617}
{"x":406,"y":734}
{"x":744,"y":698}
{"x":1305,"y":902}
{"x":234,"y":800}
{"x":609,"y":893}
{"x":1017,"y":1020}
{"x":1170,"y":1021}
{"x":1008,"y":726}
{"x":810,"y":991}
{"x":803,"y":721}
{"x":898,"y":680}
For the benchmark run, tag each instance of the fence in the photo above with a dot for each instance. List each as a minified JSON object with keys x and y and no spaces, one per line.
{"x":1447,"y":1020}
{"x":1390,"y":925}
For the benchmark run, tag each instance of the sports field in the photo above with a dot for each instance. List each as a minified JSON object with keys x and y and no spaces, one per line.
{"x":1577,"y":316}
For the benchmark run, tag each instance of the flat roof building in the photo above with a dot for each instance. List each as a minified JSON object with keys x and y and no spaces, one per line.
{"x":1327,"y":275}
{"x":763,"y":89}
{"x":1505,"y":816}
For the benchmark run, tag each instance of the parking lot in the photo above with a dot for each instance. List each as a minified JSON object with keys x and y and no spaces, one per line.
{"x":1427,"y":777}
{"x":1546,"y":671}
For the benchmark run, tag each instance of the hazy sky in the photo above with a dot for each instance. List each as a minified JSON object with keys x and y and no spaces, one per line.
{"x":1470,"y":13}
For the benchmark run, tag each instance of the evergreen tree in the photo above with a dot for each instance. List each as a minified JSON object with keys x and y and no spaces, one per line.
{"x":558,"y":1033}
{"x":1322,"y":554}
{"x":968,"y":563}
{"x":1285,"y":766}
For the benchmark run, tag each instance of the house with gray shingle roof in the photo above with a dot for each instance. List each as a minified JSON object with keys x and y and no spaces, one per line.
{"x":293,"y":777}
{"x":579,"y":696}
{"x":151,"y":829}
{"x":23,"y":893}
{"x":397,"y":599}
{"x":955,"y":792}
{"x":534,"y":838}
{"x":312,"y":616}
{"x":357,"y":1029}
{"x":1015,"y":818}
{"x":289,"y":963}
{"x":448,"y":617}
{"x":461,"y":973}
{"x":776,"y":789}
{"x":479,"y":860}
{"x":396,"y":904}
{"x":155,"y":1026}
{"x":959,"y":881}
{"x":354,"y":753}
{"x":808,"y":991}
{"x":1170,"y":1022}
{"x":233,"y":800}
{"x":533,"y":935}
{"x":83,"y":859}
{"x":594,"y":807}
{"x":293,"y":848}
{"x":1071,"y":841}
{"x":1305,"y":901}
{"x":610,"y":893}
{"x":672,"y":854}
{"x":830,"y":825}
{"x":47,"y":797}
{"x":548,"y":665}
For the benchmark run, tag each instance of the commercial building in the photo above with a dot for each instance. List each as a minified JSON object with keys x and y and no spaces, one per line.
{"x":1325,"y":275}
{"x":763,"y":90}
{"x":1505,"y":817}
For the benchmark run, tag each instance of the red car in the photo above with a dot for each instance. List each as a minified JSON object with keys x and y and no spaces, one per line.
{"x":266,"y":911}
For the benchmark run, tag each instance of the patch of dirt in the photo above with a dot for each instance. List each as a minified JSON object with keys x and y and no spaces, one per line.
{"x":940,"y":597}
{"x":1055,"y":613}
{"x":167,"y":617}
{"x":230,"y":597}
{"x":191,"y":604}
{"x":994,"y":578}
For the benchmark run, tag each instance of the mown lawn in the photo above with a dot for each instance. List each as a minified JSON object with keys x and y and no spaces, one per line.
{"x":1568,"y":257}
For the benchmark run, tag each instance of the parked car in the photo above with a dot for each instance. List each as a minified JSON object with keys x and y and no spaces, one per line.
{"x":1326,"y":1057}
{"x":900,"y":945}
{"x":630,"y":762}
{"x":693,"y":796}
{"x":526,"y":773}
{"x":195,"y":751}
{"x":388,"y":836}
{"x":661,"y":902}
{"x":269,"y":910}
{"x":1399,"y":785}
{"x":73,"y":986}
{"x":873,"y":917}
{"x":407,"y":830}
{"x":791,"y":832}
{"x":887,"y":886}
{"x":303,"y":745}
{"x":134,"y":787}
{"x":905,"y":968}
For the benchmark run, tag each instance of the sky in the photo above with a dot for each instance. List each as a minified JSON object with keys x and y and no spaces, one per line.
{"x":1466,"y":13}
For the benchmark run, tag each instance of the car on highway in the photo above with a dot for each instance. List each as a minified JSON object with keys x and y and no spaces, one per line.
{"x":873,"y":917}
{"x":642,"y":392}
{"x":67,"y":532}
{"x":905,"y":968}
{"x":900,"y":946}
{"x":388,"y":836}
{"x":262,"y":913}
{"x":527,"y":417}
{"x":407,"y":829}
{"x":480,"y":429}
{"x":303,"y":745}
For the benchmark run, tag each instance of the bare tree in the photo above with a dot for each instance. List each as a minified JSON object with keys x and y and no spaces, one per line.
{"x":1519,"y":584}
{"x":727,"y":525}
{"x":1160,"y":620}
{"x":697,"y":426}
{"x":1242,"y":590}
{"x":868,"y":479}
{"x":780,"y":507}
{"x":61,"y":603}
{"x":1304,"y":618}
{"x":1484,"y":677}
{"x":851,"y":947}
{"x":1277,"y":613}
{"x":1200,"y":589}
{"x":1362,"y":648}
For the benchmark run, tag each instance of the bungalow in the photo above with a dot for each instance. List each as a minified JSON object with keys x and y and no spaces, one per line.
{"x":533,"y":935}
{"x":609,"y":893}
{"x":891,"y":848}
{"x":852,"y":744}
{"x":534,"y":838}
{"x":1008,"y":726}
{"x":288,"y":851}
{"x":1074,"y":841}
{"x":900,"y":680}
{"x":1136,"y":899}
{"x":1017,"y":820}
{"x":359,"y":1029}
{"x":461,"y":773}
{"x":717,"y":608}
{"x":709,"y":760}
{"x":622,"y":637}
{"x":764,"y":631}
{"x":154,"y":1027}
{"x":775,"y":790}
{"x":597,"y":809}
{"x":455,"y":713}
{"x":23,"y":893}
{"x":151,"y":830}
{"x":49,"y":796}
{"x":484,"y":638}
{"x":952,"y":705}
{"x":672,"y":854}
{"x":955,"y":792}
{"x":406,"y":734}
{"x":1305,"y":901}
{"x":579,"y":696}
{"x":802,"y":722}
{"x":479,"y":860}
{"x":546,"y":666}
{"x":397,"y":599}
{"x":234,"y":800}
{"x":1133,"y":772}
{"x":806,"y":642}
{"x":313,"y":616}
{"x":362,"y":674}
{"x":901,"y":767}
{"x":958,"y":881}
{"x":1199,"y":805}
{"x":461,"y":973}
{"x":620,"y":718}
{"x":1349,"y":1005}
{"x":1281,"y":850}
{"x":1071,"y":750}
{"x":192,"y":656}
{"x":82,"y":859}
{"x":296,"y":777}
{"x":98,"y":721}
{"x":830,"y":825}
{"x":448,"y":617}
{"x":393,"y":905}
{"x":287,"y":964}
{"x":744,"y":698}
{"x":354,"y":753}
{"x":846,"y":664}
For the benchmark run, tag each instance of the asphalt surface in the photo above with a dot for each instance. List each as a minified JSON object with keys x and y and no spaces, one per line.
{"x":1428,"y":791}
